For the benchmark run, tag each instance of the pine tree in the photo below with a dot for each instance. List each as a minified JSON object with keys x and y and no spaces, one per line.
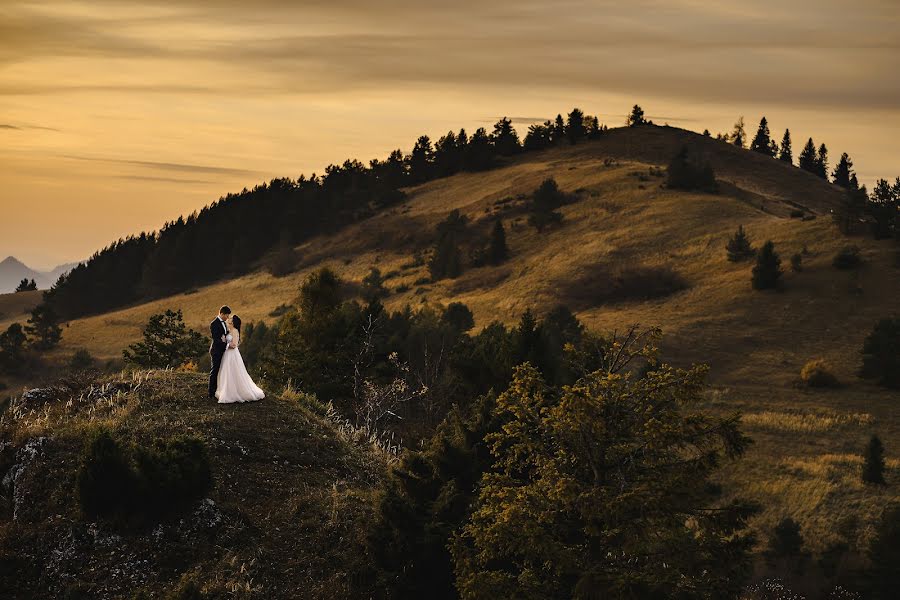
{"x":43,"y":327}
{"x":12,"y":349}
{"x":26,"y":286}
{"x":683,"y":173}
{"x":850,"y":209}
{"x":498,"y":251}
{"x":167,"y":343}
{"x":505,"y":139}
{"x":559,"y":130}
{"x":822,"y":162}
{"x":807,"y":160}
{"x":739,"y":247}
{"x":786,"y":154}
{"x":873,"y":462}
{"x":594,"y":128}
{"x":881,"y":353}
{"x":575,"y":126}
{"x":762,"y":143}
{"x":767,"y":271}
{"x":636,"y":117}
{"x":843,"y":172}
{"x":739,"y":135}
{"x":546,"y":199}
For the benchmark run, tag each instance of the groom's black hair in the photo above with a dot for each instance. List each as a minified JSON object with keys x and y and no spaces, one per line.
{"x":225,"y":310}
{"x":236,"y":322}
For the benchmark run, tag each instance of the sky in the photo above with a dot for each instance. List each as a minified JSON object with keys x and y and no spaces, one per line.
{"x":118,"y":116}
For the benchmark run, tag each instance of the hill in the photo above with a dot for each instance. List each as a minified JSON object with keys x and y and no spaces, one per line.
{"x":286,"y":515}
{"x":629,"y":250}
{"x":12,"y":271}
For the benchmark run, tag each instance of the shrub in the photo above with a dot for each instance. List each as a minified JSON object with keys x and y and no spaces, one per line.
{"x":603,"y":284}
{"x":873,"y":462}
{"x":797,"y":262}
{"x":373,"y":284}
{"x":459,"y":317}
{"x":139,"y":483}
{"x":767,"y":271}
{"x":545,"y":200}
{"x":81,"y":360}
{"x":881,"y":353}
{"x":284,"y":261}
{"x":786,"y":545}
{"x":817,"y":373}
{"x":105,"y":481}
{"x":686,"y":174}
{"x":847,"y":258}
{"x":739,"y":247}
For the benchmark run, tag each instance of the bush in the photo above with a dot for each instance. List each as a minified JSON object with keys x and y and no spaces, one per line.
{"x":81,"y":360}
{"x":686,"y":174}
{"x":602,"y":284}
{"x":847,"y":258}
{"x":137,"y":483}
{"x":767,"y":271}
{"x":284,"y":261}
{"x":545,"y":200}
{"x":881,"y":353}
{"x":884,"y":555}
{"x":786,"y":544}
{"x":817,"y":373}
{"x":373,"y":285}
{"x":797,"y":262}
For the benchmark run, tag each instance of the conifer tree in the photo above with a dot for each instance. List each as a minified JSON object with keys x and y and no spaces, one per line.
{"x":498,"y":251}
{"x":575,"y":126}
{"x":843,"y":172}
{"x":822,"y":162}
{"x":636,"y":117}
{"x":505,"y":139}
{"x":43,"y":327}
{"x":873,"y":462}
{"x":559,"y":130}
{"x":762,"y":143}
{"x":881,"y":353}
{"x":807,"y":160}
{"x":739,"y":135}
{"x":767,"y":271}
{"x":12,"y":349}
{"x":786,"y":153}
{"x":738,"y":246}
{"x":167,"y":343}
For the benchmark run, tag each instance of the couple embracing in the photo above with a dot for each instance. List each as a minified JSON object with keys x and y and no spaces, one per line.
{"x":229,"y":381}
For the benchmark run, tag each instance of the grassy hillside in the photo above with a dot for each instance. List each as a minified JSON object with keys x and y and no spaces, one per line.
{"x":624,"y":227}
{"x":285,"y":518}
{"x":17,"y":306}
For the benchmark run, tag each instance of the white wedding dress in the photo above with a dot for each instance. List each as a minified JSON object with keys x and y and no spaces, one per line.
{"x":234,"y":383}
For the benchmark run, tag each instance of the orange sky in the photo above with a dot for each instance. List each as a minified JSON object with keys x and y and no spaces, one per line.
{"x":117,"y":116}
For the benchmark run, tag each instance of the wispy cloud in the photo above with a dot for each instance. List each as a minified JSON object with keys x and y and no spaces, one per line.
{"x":169,"y":166}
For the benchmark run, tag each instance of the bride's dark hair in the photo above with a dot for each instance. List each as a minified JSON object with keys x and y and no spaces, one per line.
{"x":236,"y":322}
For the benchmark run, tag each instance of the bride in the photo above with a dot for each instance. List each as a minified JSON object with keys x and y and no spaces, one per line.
{"x":234,"y":383}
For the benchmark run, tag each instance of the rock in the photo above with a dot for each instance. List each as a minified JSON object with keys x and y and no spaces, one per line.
{"x":27,"y":454}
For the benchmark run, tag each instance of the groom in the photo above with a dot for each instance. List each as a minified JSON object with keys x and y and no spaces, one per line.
{"x":217,"y":330}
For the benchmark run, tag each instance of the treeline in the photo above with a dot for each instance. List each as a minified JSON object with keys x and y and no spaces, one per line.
{"x":880,"y":209}
{"x":228,"y":236}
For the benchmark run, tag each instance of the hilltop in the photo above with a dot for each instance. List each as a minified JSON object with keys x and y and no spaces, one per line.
{"x":624,"y":226}
{"x":12,"y":271}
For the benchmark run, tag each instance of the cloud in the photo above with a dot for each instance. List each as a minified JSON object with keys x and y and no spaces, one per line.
{"x":170,"y":166}
{"x":165,"y":179}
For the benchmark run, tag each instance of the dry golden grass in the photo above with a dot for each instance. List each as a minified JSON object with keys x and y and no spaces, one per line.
{"x":755,"y":342}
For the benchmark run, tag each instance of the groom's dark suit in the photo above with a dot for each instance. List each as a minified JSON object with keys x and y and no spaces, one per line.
{"x":217,"y":329}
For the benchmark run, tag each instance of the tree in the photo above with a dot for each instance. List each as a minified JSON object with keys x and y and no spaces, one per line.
{"x":884,"y":555}
{"x":881,"y":353}
{"x":739,"y":135}
{"x":459,"y":317}
{"x":504,"y":138}
{"x":786,"y":544}
{"x":421,"y":160}
{"x":822,"y":162}
{"x":786,"y":154}
{"x":320,"y":294}
{"x":767,"y":271}
{"x":762,"y":143}
{"x":575,"y":129}
{"x":884,"y":208}
{"x":167,"y":343}
{"x":26,"y":286}
{"x":446,"y":259}
{"x":843,"y":172}
{"x":373,"y":284}
{"x":873,"y":462}
{"x":284,"y":261}
{"x":807,"y":160}
{"x":545,"y":200}
{"x":850,"y":209}
{"x":738,"y":246}
{"x":498,"y":251}
{"x":600,"y":489}
{"x":43,"y":327}
{"x":559,"y":130}
{"x":683,"y":173}
{"x":636,"y":117}
{"x":538,"y":136}
{"x":12,"y":349}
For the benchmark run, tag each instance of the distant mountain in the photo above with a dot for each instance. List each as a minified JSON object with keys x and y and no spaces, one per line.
{"x":12,"y":271}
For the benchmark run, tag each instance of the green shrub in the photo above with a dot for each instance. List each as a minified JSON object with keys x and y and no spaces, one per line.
{"x":847,"y":258}
{"x":81,"y":360}
{"x":739,"y":247}
{"x":140,"y":483}
{"x":767,"y":270}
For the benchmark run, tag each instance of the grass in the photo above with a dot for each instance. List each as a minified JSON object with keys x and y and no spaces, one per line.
{"x":755,"y":342}
{"x":287,"y":486}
